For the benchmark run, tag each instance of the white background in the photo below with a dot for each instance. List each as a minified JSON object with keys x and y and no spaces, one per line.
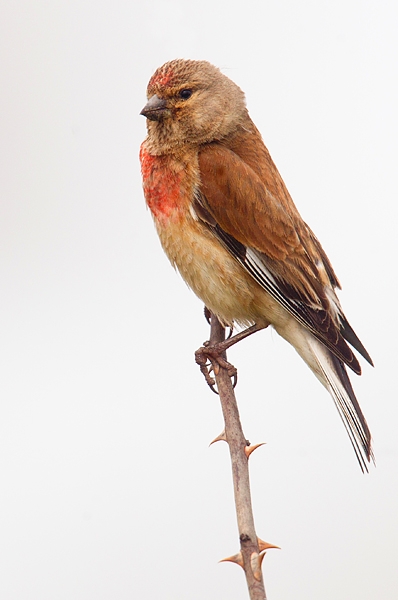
{"x":108,"y":489}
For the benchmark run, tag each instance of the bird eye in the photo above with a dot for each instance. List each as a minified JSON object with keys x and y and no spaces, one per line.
{"x":185,"y":94}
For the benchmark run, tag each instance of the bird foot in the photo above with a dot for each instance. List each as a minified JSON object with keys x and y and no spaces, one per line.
{"x":210,"y":359}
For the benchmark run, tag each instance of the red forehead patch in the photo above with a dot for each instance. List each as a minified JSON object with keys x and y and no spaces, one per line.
{"x":161,"y":78}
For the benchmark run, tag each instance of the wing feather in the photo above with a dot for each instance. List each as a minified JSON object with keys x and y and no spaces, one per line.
{"x":275,"y":246}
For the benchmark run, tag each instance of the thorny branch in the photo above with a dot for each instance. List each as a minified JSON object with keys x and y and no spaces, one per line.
{"x":252,"y":548}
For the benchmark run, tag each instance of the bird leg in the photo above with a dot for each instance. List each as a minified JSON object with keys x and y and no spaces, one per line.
{"x":215,"y":353}
{"x":207,"y":313}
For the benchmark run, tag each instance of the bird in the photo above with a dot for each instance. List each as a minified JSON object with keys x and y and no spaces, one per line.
{"x":228,"y":224}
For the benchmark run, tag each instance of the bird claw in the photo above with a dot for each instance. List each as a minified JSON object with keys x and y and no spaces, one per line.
{"x":212,"y":353}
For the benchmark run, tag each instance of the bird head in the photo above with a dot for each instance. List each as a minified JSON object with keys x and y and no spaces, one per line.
{"x":191,"y":102}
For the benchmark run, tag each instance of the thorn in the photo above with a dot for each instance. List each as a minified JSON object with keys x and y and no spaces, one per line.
{"x":250,"y":449}
{"x":261,"y":557}
{"x":236,"y":558}
{"x":262,"y":546}
{"x":255,"y":563}
{"x":219,"y":438}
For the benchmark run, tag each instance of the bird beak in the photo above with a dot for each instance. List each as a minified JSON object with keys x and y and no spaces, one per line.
{"x":155,"y":108}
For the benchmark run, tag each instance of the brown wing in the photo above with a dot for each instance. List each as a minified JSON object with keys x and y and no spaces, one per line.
{"x":271,"y":241}
{"x":244,"y":208}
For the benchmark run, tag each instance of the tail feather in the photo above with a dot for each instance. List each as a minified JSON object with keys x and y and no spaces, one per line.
{"x":349,"y":334}
{"x":337,"y":382}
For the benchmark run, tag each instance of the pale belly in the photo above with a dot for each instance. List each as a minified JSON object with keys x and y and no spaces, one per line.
{"x":215,"y":276}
